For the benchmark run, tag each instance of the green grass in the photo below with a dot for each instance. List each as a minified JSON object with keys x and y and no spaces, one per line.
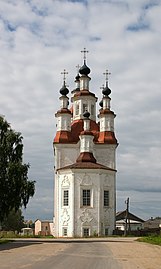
{"x":4,"y":241}
{"x":154,"y":239}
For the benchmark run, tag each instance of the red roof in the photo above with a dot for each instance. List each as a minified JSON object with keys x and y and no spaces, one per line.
{"x":86,"y":165}
{"x":106,"y":137}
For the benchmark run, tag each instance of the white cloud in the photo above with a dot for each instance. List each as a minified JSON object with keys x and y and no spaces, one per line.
{"x":38,"y":39}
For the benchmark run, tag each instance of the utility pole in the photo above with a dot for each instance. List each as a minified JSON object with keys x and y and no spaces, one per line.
{"x":126,"y":216}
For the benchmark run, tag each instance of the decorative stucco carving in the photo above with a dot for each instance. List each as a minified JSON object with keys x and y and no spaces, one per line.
{"x":79,"y":179}
{"x":86,"y":216}
{"x":65,"y":217}
{"x":86,"y":180}
{"x":65,"y":182}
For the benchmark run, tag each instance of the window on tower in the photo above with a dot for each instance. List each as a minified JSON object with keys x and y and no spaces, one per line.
{"x":92,"y":109}
{"x":106,"y":198}
{"x":85,"y":107}
{"x":77,"y":109}
{"x":65,"y":197}
{"x":86,"y":197}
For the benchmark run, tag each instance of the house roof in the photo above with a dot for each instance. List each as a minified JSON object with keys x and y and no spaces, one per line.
{"x":42,"y":221}
{"x":122,"y":215}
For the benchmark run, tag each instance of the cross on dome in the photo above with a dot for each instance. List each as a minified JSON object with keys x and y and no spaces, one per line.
{"x":64,"y":90}
{"x":107,"y":73}
{"x":102,"y":87}
{"x":78,"y":67}
{"x":85,"y":52}
{"x":84,"y":70}
{"x":64,"y":73}
{"x":106,"y":91}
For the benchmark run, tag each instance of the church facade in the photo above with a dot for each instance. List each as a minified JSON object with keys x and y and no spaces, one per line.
{"x":85,"y":169}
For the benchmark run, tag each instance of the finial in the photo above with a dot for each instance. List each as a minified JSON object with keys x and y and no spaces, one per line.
{"x":64,"y":90}
{"x":84,"y":51}
{"x":78,"y":67}
{"x":102,"y":87}
{"x":107,"y":73}
{"x":106,"y":91}
{"x":64,"y":73}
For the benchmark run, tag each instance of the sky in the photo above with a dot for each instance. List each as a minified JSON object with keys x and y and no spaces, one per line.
{"x":38,"y":40}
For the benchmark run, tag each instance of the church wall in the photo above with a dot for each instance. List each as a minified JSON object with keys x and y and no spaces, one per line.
{"x":65,"y":154}
{"x":105,"y":154}
{"x":97,"y":217}
{"x":75,"y":217}
{"x":64,"y":219}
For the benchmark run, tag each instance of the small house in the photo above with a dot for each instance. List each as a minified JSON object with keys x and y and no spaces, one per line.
{"x":43,"y":227}
{"x":134,"y":223}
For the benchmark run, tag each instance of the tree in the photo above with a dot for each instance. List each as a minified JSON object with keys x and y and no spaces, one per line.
{"x":15,"y":188}
{"x":14,"y":221}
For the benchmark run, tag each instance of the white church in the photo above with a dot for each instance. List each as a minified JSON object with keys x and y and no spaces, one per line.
{"x":85,"y":169}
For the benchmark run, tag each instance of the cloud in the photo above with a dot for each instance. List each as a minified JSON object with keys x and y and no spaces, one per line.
{"x":38,"y":39}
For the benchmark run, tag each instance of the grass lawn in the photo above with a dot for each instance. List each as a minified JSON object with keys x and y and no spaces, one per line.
{"x":154,"y":239}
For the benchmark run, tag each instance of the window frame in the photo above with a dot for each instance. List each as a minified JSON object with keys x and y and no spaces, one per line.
{"x":92,"y":109}
{"x":87,"y":229}
{"x":86,"y":187}
{"x":106,"y":231}
{"x":106,"y":200}
{"x":65,"y":199}
{"x":85,"y":107}
{"x":86,"y":197}
{"x":65,"y":231}
{"x":77,"y":109}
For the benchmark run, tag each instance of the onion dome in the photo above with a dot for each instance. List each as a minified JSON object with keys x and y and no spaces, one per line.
{"x":106,"y":91}
{"x":86,"y":114}
{"x":84,"y":70}
{"x":77,"y":77}
{"x":64,"y":90}
{"x":101,"y":103}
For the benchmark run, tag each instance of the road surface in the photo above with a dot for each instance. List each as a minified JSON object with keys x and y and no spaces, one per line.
{"x":110,"y":253}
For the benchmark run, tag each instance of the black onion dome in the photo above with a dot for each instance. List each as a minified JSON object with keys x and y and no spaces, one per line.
{"x":84,"y":70}
{"x":101,"y":103}
{"x":64,"y":90}
{"x":77,"y":77}
{"x":86,"y":114}
{"x":106,"y":91}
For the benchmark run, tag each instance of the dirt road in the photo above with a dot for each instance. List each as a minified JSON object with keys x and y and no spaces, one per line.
{"x":135,"y":255}
{"x":125,"y":253}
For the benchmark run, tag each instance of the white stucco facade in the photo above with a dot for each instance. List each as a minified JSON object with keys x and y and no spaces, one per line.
{"x":74,"y":217}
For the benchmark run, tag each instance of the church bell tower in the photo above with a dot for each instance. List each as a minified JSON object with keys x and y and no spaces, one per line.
{"x":84,"y":150}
